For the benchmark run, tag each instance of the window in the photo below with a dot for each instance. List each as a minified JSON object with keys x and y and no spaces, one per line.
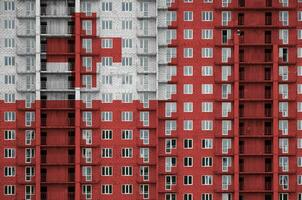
{"x":207,"y":107}
{"x":299,"y":16}
{"x":226,"y":18}
{"x":126,"y":79}
{"x":9,"y":153}
{"x":87,"y":191}
{"x":106,"y":134}
{"x":106,"y":171}
{"x":127,"y":116}
{"x":188,"y":34}
{"x":127,"y":43}
{"x":87,"y":63}
{"x":87,"y":136}
{"x":107,"y":61}
{"x":106,"y":6}
{"x":107,"y":79}
{"x":188,"y":143}
{"x":9,"y":171}
{"x":188,"y":125}
{"x":9,"y":60}
{"x":188,"y":180}
{"x":299,"y":161}
{"x":283,"y":17}
{"x":9,"y":24}
{"x":9,"y":190}
{"x":188,"y":161}
{"x":127,"y":153}
{"x":144,"y":136}
{"x":9,"y":5}
{"x":206,"y":125}
{"x":126,"y":24}
{"x":188,"y":196}
{"x":107,"y":43}
{"x":106,"y":116}
{"x":126,"y":189}
{"x":188,"y":16}
{"x":207,"y":71}
{"x":9,"y":116}
{"x":127,"y":98}
{"x":299,"y":143}
{"x":299,"y":52}
{"x":208,"y":1}
{"x":106,"y":25}
{"x":188,"y":71}
{"x":9,"y":135}
{"x":207,"y":196}
{"x":207,"y":52}
{"x":106,"y":97}
{"x":9,"y":42}
{"x":207,"y":89}
{"x":87,"y":173}
{"x":87,"y":45}
{"x":299,"y":34}
{"x":188,"y":89}
{"x":106,"y":189}
{"x":126,"y":171}
{"x":188,"y":52}
{"x":207,"y":16}
{"x":188,"y":106}
{"x":9,"y":98}
{"x":206,"y":180}
{"x":87,"y":26}
{"x":126,"y":61}
{"x":127,"y":134}
{"x":207,"y":34}
{"x":107,"y":153}
{"x":299,"y":179}
{"x":207,"y":143}
{"x":9,"y":79}
{"x":127,"y":6}
{"x":207,"y":162}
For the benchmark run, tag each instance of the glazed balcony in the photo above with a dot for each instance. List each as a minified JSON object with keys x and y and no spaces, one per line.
{"x":57,"y":86}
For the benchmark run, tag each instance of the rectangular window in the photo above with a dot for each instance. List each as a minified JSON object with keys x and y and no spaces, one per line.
{"x":188,"y":34}
{"x":207,"y":34}
{"x":9,"y":153}
{"x":106,"y":6}
{"x":9,"y":116}
{"x":126,"y":6}
{"x":106,"y":25}
{"x":106,"y":116}
{"x":206,"y":125}
{"x":9,"y":135}
{"x":127,"y":134}
{"x":207,"y":52}
{"x":207,"y":88}
{"x":9,"y":190}
{"x":106,"y":171}
{"x":9,"y":171}
{"x":106,"y":134}
{"x":188,"y":52}
{"x":107,"y":43}
{"x":188,"y":70}
{"x":127,"y":116}
{"x":207,"y":16}
{"x":188,"y":16}
{"x":207,"y":71}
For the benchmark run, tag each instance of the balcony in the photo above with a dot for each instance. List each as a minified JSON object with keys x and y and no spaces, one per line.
{"x":57,"y":86}
{"x":49,"y":12}
{"x":21,"y":12}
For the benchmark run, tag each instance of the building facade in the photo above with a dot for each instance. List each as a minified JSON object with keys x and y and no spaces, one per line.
{"x":151,"y":99}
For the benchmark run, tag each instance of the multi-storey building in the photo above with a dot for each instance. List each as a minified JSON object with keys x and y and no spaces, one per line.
{"x":151,"y":99}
